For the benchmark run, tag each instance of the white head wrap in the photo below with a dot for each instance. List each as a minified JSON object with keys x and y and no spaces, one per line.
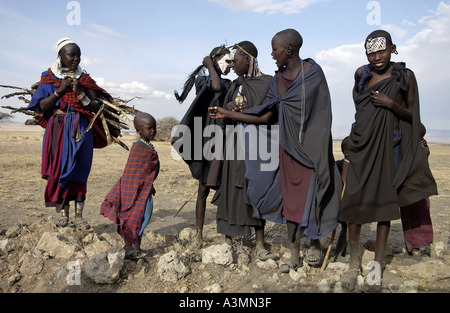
{"x":57,"y":68}
{"x":62,"y":43}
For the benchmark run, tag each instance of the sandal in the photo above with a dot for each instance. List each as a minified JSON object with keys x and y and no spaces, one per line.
{"x":288,"y":265}
{"x":264,"y":255}
{"x":62,"y":221}
{"x":134,"y":254}
{"x":313,"y":256}
{"x":81,"y":225}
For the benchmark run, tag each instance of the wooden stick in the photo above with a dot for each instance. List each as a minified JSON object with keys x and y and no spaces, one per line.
{"x":93,"y":119}
{"x":328,"y":251}
{"x":105,"y":127}
{"x":186,"y":202}
{"x":120,"y":143}
{"x":118,"y":109}
{"x":120,"y":118}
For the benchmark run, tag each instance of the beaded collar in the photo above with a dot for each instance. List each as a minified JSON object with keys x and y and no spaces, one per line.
{"x":148,"y":144}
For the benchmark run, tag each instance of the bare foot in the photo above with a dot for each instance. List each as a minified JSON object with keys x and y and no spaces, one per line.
{"x":350,"y":278}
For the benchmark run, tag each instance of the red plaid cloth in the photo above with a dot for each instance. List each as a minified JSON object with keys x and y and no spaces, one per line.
{"x":125,"y":203}
{"x":70,"y":97}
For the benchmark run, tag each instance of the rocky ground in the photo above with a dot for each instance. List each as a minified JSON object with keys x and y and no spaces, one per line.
{"x":38,"y":257}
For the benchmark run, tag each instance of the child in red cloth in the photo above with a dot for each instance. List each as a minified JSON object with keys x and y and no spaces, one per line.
{"x":129,"y":204}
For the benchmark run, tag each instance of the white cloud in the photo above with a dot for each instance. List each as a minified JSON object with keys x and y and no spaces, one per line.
{"x":132,"y":89}
{"x":86,"y":61}
{"x":267,"y":6}
{"x":396,"y":31}
{"x":105,"y":30}
{"x":425,"y":53}
{"x":101,"y":32}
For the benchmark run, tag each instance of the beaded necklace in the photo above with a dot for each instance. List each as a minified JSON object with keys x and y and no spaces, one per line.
{"x":148,"y":144}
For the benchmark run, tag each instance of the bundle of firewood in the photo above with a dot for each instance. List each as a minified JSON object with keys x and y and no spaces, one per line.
{"x":114,"y":116}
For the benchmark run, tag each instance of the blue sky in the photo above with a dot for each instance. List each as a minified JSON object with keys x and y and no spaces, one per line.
{"x":147,"y":48}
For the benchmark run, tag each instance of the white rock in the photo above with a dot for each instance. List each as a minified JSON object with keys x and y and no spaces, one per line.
{"x":214,"y":288}
{"x":323,"y":286}
{"x":337,"y":266}
{"x":218,"y":254}
{"x":267,"y":265}
{"x":6,"y":245}
{"x":104,"y":268}
{"x":186,"y":234}
{"x":338,"y":288}
{"x":409,"y":286}
{"x":439,"y":247}
{"x":30,"y":264}
{"x":96,"y":248}
{"x":56,"y":245}
{"x":171,"y":268}
{"x":296,"y":275}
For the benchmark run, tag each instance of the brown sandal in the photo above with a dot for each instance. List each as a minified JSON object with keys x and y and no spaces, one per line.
{"x":62,"y":221}
{"x":81,"y":225}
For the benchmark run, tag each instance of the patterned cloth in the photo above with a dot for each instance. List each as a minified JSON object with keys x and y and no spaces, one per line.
{"x":125,"y":204}
{"x":66,"y":159}
{"x":71,"y":98}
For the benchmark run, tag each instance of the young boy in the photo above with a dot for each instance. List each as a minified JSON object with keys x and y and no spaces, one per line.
{"x":309,"y":179}
{"x":388,"y":167}
{"x":129,"y":204}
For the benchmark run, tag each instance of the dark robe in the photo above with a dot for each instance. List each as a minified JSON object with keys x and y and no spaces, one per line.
{"x":234,"y":211}
{"x":374,"y":189}
{"x":305,"y":138}
{"x":196,"y":113}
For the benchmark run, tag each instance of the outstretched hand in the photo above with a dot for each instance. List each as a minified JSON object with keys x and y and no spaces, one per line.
{"x":217,"y":112}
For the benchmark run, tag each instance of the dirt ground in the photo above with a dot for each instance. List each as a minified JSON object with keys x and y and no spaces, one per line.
{"x":22,"y":207}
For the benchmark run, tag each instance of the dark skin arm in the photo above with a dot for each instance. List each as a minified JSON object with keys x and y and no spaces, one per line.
{"x":396,"y":107}
{"x":215,"y":78}
{"x":48,"y":103}
{"x":68,"y":84}
{"x":218,"y":113}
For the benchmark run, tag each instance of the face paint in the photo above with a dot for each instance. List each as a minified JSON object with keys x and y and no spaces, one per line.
{"x":376,"y":44}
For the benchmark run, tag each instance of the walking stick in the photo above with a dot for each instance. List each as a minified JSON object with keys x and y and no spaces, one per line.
{"x":328,"y":251}
{"x":185,"y":203}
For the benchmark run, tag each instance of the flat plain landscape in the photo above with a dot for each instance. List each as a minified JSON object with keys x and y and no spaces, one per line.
{"x":22,"y":207}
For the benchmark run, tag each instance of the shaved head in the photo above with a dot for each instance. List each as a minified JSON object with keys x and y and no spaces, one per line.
{"x":142,"y":118}
{"x":291,"y":37}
